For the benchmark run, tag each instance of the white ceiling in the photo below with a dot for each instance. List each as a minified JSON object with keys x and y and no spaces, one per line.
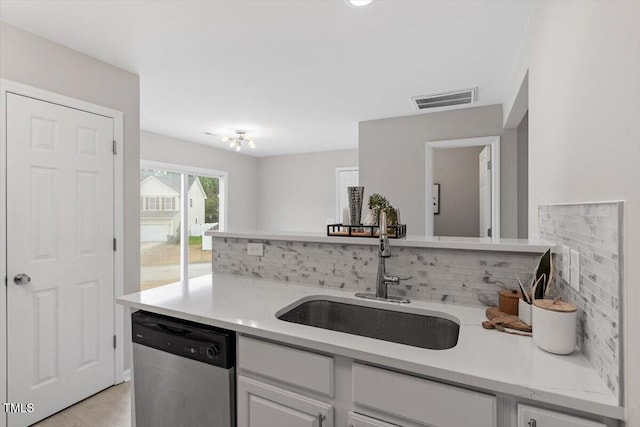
{"x":297,"y":75}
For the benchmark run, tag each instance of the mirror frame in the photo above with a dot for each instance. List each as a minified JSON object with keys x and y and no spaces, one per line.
{"x":494,"y":142}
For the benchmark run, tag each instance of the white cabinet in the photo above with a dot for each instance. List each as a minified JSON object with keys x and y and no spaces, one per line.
{"x":283,"y":386}
{"x":420,"y":400}
{"x":529,"y":416}
{"x":359,"y":420}
{"x":264,"y":405}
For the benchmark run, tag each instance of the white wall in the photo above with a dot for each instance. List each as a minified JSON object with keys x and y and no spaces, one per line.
{"x":457,"y":170}
{"x":392,"y":159}
{"x":523,"y":177}
{"x":583,"y":61}
{"x":298,"y":192}
{"x":34,"y":61}
{"x":242,"y":197}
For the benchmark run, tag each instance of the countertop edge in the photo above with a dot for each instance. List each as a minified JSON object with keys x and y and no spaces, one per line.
{"x":497,"y":245}
{"x":539,"y":395}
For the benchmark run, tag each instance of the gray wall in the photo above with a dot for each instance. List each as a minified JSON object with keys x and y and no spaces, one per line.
{"x":34,"y":61}
{"x":242,"y":170}
{"x":582,"y":146}
{"x":523,"y":177}
{"x":392,"y":158}
{"x":457,"y":170}
{"x":298,"y":192}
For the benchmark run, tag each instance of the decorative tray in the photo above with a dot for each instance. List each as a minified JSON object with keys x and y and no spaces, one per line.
{"x":339,"y":230}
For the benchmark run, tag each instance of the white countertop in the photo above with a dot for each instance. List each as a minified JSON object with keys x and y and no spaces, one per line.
{"x":465,"y":243}
{"x":486,"y":359}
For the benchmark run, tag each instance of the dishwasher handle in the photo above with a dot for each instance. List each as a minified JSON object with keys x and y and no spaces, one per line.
{"x":171,"y":330}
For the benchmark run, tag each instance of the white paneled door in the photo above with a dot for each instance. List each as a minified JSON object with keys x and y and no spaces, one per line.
{"x":60,"y":229}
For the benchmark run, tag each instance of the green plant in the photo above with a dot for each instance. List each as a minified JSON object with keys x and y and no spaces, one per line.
{"x":379,"y":203}
{"x":392,"y":215}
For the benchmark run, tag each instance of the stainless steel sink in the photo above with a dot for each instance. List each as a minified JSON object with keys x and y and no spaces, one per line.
{"x":417,"y":330}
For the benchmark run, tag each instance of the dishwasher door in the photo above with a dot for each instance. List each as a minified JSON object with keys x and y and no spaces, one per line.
{"x":173,"y":391}
{"x":183,"y":373}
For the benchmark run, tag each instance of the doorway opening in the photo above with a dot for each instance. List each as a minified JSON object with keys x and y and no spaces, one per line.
{"x":463,"y":187}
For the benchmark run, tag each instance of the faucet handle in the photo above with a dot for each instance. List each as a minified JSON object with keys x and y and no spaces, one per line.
{"x":392,"y":280}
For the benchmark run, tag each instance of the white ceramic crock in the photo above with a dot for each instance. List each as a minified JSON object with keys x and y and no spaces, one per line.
{"x":555,"y":325}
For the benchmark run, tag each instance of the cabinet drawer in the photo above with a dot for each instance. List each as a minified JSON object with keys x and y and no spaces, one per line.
{"x":421,"y":400}
{"x":529,"y":416}
{"x":300,"y":368}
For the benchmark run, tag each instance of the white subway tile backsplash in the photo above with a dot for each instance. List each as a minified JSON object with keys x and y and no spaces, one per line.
{"x":594,"y":230}
{"x":466,"y":277}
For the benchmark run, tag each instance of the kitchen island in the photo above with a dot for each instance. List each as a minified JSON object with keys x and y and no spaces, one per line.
{"x":511,"y":368}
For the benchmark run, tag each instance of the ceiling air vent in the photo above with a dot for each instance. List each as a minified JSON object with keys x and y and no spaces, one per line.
{"x":460,"y":97}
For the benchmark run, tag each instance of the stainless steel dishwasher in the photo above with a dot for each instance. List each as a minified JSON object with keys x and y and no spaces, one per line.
{"x":184,"y":373}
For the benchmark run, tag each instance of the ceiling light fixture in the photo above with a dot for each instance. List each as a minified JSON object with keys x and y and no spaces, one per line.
{"x":358,"y":3}
{"x":237,"y":141}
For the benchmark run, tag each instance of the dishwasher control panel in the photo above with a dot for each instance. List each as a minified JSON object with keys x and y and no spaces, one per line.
{"x":192,"y":340}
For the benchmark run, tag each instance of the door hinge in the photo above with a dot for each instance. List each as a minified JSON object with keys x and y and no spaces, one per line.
{"x":115,"y":341}
{"x":115,"y":147}
{"x":115,"y":244}
{"x":489,"y":232}
{"x":489,"y":165}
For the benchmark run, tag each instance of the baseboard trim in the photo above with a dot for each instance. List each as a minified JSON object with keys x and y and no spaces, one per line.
{"x":126,"y":375}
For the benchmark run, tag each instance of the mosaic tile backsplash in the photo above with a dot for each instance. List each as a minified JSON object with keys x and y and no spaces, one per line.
{"x":595,"y":231}
{"x":459,"y":276}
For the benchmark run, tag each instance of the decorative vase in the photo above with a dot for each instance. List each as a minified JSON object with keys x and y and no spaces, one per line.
{"x":355,"y":204}
{"x":370,"y":219}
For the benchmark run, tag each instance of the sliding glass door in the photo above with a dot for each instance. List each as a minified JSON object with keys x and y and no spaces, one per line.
{"x":177,"y":205}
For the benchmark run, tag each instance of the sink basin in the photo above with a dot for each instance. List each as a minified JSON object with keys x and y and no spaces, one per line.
{"x":417,"y":330}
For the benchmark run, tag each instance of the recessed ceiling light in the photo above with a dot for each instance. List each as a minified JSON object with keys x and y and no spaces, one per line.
{"x":358,"y":3}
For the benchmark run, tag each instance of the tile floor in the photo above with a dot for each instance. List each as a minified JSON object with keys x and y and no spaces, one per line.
{"x":109,"y":408}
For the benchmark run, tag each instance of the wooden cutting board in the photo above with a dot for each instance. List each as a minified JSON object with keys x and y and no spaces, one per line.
{"x":507,"y":320}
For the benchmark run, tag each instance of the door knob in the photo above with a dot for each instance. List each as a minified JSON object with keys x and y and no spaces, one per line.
{"x":22,"y":279}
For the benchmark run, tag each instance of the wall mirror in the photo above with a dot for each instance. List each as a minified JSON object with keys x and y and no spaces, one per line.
{"x":463,"y":187}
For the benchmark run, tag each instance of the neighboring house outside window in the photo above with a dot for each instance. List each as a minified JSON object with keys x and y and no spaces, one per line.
{"x":160,"y":213}
{"x":161,"y":231}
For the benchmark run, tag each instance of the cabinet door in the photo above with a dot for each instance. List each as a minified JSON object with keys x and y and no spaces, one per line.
{"x":359,"y":420}
{"x":528,"y":416}
{"x":263,"y":405}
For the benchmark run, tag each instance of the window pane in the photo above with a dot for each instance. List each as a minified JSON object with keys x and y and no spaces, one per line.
{"x":203,"y":215}
{"x":159,"y":228}
{"x":169,"y":204}
{"x":153,"y":203}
